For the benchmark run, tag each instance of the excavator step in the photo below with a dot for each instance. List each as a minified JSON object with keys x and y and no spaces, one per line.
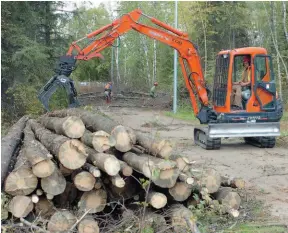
{"x":202,"y":139}
{"x":262,"y":142}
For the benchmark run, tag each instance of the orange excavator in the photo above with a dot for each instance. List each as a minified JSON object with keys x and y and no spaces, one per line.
{"x":258,"y":119}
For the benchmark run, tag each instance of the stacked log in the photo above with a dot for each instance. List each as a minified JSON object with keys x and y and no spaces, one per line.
{"x":78,"y":160}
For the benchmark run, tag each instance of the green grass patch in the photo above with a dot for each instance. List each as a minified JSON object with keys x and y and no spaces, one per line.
{"x":256,"y":228}
{"x":184,"y":112}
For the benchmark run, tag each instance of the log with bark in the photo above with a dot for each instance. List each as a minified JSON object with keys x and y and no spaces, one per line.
{"x":21,"y":181}
{"x":70,"y":126}
{"x":92,"y":169}
{"x":94,"y":201}
{"x":126,"y":170}
{"x":182,"y":219}
{"x":162,"y":172}
{"x":100,"y":140}
{"x":207,"y":178}
{"x":232,"y":182}
{"x":180,"y":191}
{"x":154,"y":146}
{"x":61,"y":221}
{"x":9,"y":143}
{"x":21,"y":206}
{"x":117,"y":181}
{"x":226,"y":196}
{"x":105,"y":162}
{"x":70,"y":152}
{"x":38,"y":156}
{"x":125,"y":137}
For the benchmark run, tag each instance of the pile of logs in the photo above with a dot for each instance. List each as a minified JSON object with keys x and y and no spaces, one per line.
{"x":74,"y":163}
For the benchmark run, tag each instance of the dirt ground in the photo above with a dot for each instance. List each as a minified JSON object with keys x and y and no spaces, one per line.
{"x":264,"y":170}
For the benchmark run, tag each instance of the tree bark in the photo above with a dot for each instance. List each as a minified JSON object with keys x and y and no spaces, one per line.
{"x":284,"y":20}
{"x":100,"y":140}
{"x":163,"y":173}
{"x":157,"y":200}
{"x":70,"y":152}
{"x":88,"y":225}
{"x":126,"y":170}
{"x":84,"y":181}
{"x":21,"y":206}
{"x":232,"y":182}
{"x":181,"y":191}
{"x":160,"y":148}
{"x":70,"y":126}
{"x":9,"y":144}
{"x":182,"y":219}
{"x":227,"y":197}
{"x":92,"y":169}
{"x":95,"y":122}
{"x":117,"y":181}
{"x":105,"y":162}
{"x":61,"y":221}
{"x":54,"y":184}
{"x":94,"y":201}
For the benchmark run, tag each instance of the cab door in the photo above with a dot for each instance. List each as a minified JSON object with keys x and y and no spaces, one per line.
{"x":264,"y":86}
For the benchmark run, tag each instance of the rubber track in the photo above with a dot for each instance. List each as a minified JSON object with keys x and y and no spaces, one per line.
{"x":210,"y":144}
{"x":262,"y":142}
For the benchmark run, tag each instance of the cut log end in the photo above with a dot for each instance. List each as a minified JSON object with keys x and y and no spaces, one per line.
{"x":35,"y":198}
{"x":112,"y":166}
{"x":84,"y":181}
{"x":103,"y":141}
{"x":72,"y":154}
{"x":54,"y":184}
{"x":21,"y":182}
{"x":73,"y":127}
{"x":157,"y":200}
{"x":21,"y":206}
{"x":43,"y":169}
{"x":124,"y":142}
{"x":88,"y":225}
{"x":117,"y":181}
{"x":94,"y":201}
{"x":181,"y":191}
{"x":61,"y":221}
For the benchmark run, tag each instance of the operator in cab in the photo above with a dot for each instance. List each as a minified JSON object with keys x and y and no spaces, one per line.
{"x":242,"y":89}
{"x":108,"y":91}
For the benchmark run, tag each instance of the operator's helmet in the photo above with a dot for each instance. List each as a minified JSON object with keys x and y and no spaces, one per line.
{"x":247,"y":59}
{"x":156,"y":84}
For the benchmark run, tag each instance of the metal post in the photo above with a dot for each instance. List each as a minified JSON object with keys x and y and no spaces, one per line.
{"x":112,"y":65}
{"x":175,"y":67}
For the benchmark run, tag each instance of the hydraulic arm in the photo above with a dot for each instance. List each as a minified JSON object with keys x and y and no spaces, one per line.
{"x":188,"y":55}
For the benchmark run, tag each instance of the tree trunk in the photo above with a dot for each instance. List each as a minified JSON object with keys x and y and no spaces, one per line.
{"x":100,"y":140}
{"x":160,"y":148}
{"x":126,"y":170}
{"x":284,"y":20}
{"x":9,"y":144}
{"x":88,"y":225}
{"x":163,"y":173}
{"x":157,"y":200}
{"x":117,"y":181}
{"x":61,"y":221}
{"x":181,"y":191}
{"x":227,"y":197}
{"x":70,"y":152}
{"x":105,"y":162}
{"x":95,"y":122}
{"x":92,"y":169}
{"x":21,"y":182}
{"x":54,"y":184}
{"x":44,"y":208}
{"x":232,"y":182}
{"x":182,"y":219}
{"x":38,"y":156}
{"x":94,"y":201}
{"x":208,"y":178}
{"x":21,"y":206}
{"x":70,"y":126}
{"x":84,"y":181}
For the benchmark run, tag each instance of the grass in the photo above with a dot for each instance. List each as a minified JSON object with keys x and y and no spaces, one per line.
{"x":253,"y":228}
{"x":184,"y":112}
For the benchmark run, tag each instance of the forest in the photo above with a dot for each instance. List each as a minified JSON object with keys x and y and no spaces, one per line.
{"x":35,"y":34}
